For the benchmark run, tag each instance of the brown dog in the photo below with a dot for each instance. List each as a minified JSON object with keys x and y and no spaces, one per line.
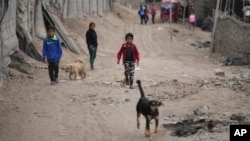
{"x":123,"y":80}
{"x":76,"y":68}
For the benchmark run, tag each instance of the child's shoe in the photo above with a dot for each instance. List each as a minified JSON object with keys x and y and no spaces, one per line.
{"x":52,"y":83}
{"x":131,"y":87}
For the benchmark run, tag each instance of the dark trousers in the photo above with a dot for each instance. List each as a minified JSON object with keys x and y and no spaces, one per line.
{"x":53,"y":70}
{"x":153,"y":18}
{"x":92,"y":55}
{"x":143,"y":19}
{"x":146,"y":18}
{"x":129,"y":67}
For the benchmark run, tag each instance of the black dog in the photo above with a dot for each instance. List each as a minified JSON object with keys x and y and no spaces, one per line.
{"x":149,"y":108}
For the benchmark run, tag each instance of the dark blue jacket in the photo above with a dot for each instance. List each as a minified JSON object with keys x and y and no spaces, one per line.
{"x":91,"y":38}
{"x":52,"y":49}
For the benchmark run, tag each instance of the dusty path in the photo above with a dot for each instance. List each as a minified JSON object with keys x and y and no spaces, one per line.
{"x":98,"y":109}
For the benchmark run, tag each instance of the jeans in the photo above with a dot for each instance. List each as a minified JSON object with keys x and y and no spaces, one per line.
{"x":53,"y":70}
{"x":92,"y":55}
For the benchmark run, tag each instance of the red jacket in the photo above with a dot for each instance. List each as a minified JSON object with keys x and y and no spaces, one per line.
{"x":123,"y":50}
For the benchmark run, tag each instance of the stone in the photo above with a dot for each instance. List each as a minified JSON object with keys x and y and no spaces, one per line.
{"x":246,"y":76}
{"x":184,"y":75}
{"x":219,"y":72}
{"x":127,"y":100}
{"x":203,"y":110}
{"x":217,"y":83}
{"x":238,"y":117}
{"x":170,"y":115}
{"x":205,"y":82}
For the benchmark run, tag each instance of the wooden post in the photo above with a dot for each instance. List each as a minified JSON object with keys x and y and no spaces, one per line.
{"x":170,"y":22}
{"x":214,"y":28}
{"x":184,"y":13}
{"x":243,"y":2}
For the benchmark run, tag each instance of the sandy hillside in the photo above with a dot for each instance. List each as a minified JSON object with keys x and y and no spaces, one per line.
{"x":98,"y":109}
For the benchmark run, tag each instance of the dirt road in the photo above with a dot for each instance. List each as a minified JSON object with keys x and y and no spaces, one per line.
{"x":98,"y":109}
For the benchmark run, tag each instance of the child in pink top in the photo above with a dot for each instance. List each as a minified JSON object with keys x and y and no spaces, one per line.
{"x":153,"y":12}
{"x":192,"y":20}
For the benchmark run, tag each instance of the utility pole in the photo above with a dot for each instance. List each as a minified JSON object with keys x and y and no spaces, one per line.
{"x":184,"y":11}
{"x":214,"y":28}
{"x":170,"y":21}
{"x":1,"y":58}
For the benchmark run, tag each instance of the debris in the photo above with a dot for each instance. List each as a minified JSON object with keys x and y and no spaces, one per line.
{"x":170,"y":115}
{"x":184,"y":75}
{"x":137,"y":69}
{"x":30,"y":77}
{"x":203,"y":110}
{"x":238,"y":61}
{"x":210,"y":126}
{"x":226,"y":61}
{"x":238,"y":117}
{"x":223,"y":61}
{"x":207,"y":24}
{"x":246,"y":76}
{"x":192,"y":126}
{"x":217,"y":83}
{"x":127,"y":100}
{"x":205,"y":82}
{"x":219,"y":72}
{"x":175,"y":30}
{"x":193,"y":44}
{"x":160,"y":28}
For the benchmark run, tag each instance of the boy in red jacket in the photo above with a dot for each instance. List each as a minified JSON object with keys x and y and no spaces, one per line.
{"x":130,"y":56}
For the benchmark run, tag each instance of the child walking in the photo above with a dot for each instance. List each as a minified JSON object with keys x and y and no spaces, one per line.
{"x":130,"y":56}
{"x":153,"y":12}
{"x":52,"y":53}
{"x":91,"y":39}
{"x":192,"y":20}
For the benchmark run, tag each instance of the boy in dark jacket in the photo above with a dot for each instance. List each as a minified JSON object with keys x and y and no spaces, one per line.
{"x":91,"y":39}
{"x":130,"y":56}
{"x":52,"y":53}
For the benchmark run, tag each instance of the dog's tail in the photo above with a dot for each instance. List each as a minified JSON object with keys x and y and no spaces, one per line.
{"x":79,"y":60}
{"x":140,"y":88}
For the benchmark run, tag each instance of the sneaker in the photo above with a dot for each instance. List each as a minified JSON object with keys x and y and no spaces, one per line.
{"x":57,"y":81}
{"x":52,"y":83}
{"x":91,"y":68}
{"x":127,"y":82}
{"x":131,"y":87}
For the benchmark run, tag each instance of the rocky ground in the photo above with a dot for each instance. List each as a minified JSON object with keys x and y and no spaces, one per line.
{"x":201,"y":97}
